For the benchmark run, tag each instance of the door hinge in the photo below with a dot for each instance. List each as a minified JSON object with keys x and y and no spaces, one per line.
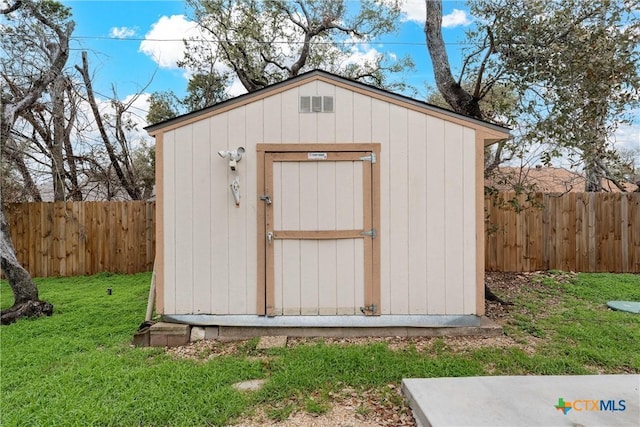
{"x":369,"y":309}
{"x":371,"y":233}
{"x":370,"y":158}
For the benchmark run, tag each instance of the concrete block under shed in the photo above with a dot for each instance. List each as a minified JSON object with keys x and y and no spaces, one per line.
{"x":199,"y":333}
{"x":164,"y":334}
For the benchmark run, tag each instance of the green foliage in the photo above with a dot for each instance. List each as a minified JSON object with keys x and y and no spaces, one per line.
{"x":204,"y":90}
{"x":78,"y":367}
{"x":575,"y":66}
{"x":265,"y":42}
{"x":572,"y":65}
{"x":498,"y":103}
{"x":162,"y":106}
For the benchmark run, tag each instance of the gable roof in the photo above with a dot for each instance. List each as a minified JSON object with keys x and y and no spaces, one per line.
{"x":495,"y":131}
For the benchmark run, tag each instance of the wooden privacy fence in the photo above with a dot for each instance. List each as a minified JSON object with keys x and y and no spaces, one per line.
{"x":77,"y":238}
{"x":588,"y":232}
{"x":574,"y":231}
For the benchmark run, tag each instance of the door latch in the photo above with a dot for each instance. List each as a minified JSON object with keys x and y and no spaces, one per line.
{"x":266,"y":199}
{"x":270,"y":237}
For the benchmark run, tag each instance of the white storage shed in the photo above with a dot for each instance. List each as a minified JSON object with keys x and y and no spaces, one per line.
{"x":321,"y":202}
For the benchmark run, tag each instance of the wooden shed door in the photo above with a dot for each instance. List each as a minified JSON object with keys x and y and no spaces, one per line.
{"x":319,"y":257}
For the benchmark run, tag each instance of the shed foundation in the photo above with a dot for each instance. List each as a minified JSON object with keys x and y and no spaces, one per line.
{"x":241,"y":327}
{"x":164,"y":334}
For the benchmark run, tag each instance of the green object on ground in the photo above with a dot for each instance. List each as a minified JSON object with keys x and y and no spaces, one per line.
{"x":630,"y":306}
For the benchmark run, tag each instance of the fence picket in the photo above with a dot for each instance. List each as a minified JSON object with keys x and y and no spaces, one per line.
{"x":596,"y":232}
{"x":588,"y":232}
{"x":78,"y":238}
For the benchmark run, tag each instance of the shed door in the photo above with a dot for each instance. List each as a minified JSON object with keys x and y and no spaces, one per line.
{"x":318,"y":239}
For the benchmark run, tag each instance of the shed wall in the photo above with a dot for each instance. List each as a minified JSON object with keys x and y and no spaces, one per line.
{"x":428,"y":201}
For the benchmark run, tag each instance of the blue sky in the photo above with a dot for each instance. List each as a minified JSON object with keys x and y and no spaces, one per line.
{"x":135,"y":44}
{"x":114,"y":33}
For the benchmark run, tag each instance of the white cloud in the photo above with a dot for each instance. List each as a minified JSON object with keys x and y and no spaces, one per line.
{"x":163,"y":43}
{"x":362,"y":54}
{"x":627,"y":137}
{"x":416,"y":11}
{"x":455,"y":19}
{"x":122,"y":32}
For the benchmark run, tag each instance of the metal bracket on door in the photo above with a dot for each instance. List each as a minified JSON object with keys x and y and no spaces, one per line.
{"x":270,"y":237}
{"x":266,"y":199}
{"x":371,"y":233}
{"x":370,"y":158}
{"x":369,"y":309}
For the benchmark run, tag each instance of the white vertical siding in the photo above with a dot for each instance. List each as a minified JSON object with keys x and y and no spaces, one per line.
{"x":201,"y":224}
{"x":343,"y":105}
{"x":361,"y":118}
{"x":327,"y":250}
{"x":254,"y":126}
{"x":169,"y":218}
{"x":274,"y":128}
{"x":453,"y":216}
{"x":184,"y":295}
{"x":396,"y":203}
{"x":308,"y":130}
{"x":470,"y":230}
{"x":427,"y":218}
{"x":417,"y":194}
{"x":381,"y":133}
{"x":327,"y":282}
{"x":238,"y":232}
{"x":436,"y":189}
{"x":219,"y":267}
{"x":289,"y":119}
{"x":326,"y":121}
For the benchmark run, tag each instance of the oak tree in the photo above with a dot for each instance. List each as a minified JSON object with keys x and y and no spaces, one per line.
{"x":573,"y":64}
{"x":50,"y":22}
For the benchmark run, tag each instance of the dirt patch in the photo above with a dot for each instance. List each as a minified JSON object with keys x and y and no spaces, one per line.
{"x":208,"y":349}
{"x":349,"y":408}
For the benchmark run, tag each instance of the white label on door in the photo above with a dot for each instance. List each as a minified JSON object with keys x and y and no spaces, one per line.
{"x":317,"y":156}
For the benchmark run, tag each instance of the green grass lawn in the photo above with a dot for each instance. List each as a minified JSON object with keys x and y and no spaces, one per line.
{"x":78,"y":367}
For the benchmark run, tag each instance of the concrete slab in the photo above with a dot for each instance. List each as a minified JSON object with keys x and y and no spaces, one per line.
{"x":589,"y":400}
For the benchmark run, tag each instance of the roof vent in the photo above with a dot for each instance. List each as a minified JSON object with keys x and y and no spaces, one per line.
{"x":316,"y":104}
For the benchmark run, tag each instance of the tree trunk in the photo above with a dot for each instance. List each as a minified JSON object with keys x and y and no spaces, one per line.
{"x":593,"y":178}
{"x":130,"y":188}
{"x":26,"y":300}
{"x":57,"y":160}
{"x":460,"y":100}
{"x":25,"y":293}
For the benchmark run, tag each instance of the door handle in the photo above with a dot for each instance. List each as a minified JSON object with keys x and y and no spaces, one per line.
{"x":270,"y":237}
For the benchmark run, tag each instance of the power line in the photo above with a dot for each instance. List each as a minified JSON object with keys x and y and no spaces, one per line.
{"x":367,"y":42}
